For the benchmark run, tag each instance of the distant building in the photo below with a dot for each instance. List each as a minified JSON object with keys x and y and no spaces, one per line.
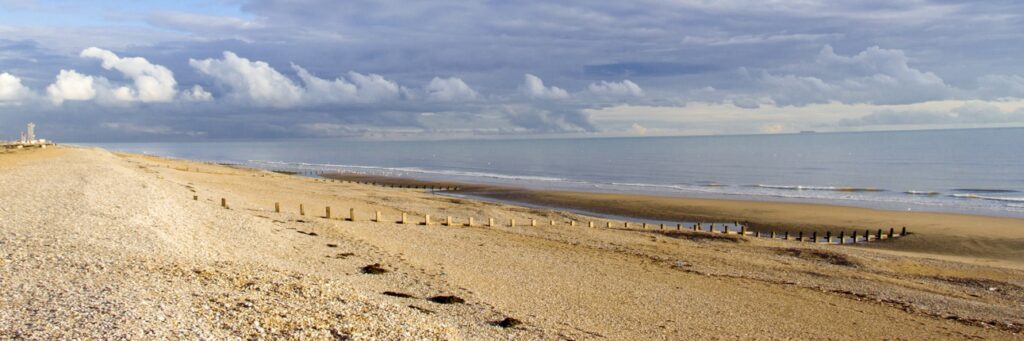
{"x":30,"y":132}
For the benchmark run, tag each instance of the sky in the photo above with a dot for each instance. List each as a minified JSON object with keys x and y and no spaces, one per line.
{"x":107,"y":71}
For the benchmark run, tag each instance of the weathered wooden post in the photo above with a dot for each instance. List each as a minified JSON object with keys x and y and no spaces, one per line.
{"x":661,"y":227}
{"x":879,"y":235}
{"x":327,"y":212}
{"x":223,"y":203}
{"x":195,"y":198}
{"x":470,"y":223}
{"x":842,"y":239}
{"x":426,"y":220}
{"x":608,"y":224}
{"x":277,"y":207}
{"x":867,"y":235}
{"x":352,"y":214}
{"x":891,"y":230}
{"x":644,"y":226}
{"x":773,"y":235}
{"x":553,"y":223}
{"x":903,"y":232}
{"x":533,"y":222}
{"x":743,"y":230}
{"x":679,"y":227}
{"x":854,"y":237}
{"x":512,"y":222}
{"x":448,"y":221}
{"x":490,"y":222}
{"x":696,"y":227}
{"x":572,"y":223}
{"x":376,"y":216}
{"x":590,"y":224}
{"x":725,"y":228}
{"x":625,"y":224}
{"x":785,"y":235}
{"x":828,"y":237}
{"x":404,"y":218}
{"x":814,"y":237}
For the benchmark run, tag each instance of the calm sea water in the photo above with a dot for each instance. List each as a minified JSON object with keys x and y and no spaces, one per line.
{"x":977,"y":171}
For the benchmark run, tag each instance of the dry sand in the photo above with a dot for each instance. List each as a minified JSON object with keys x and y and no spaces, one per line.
{"x":97,"y":245}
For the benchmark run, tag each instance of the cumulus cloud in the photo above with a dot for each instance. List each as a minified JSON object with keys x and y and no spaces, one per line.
{"x":254,"y":82}
{"x":11,"y":89}
{"x":624,"y":88}
{"x":361,"y":89}
{"x":450,"y":89}
{"x":534,"y":87}
{"x":196,"y":94}
{"x":257,"y":83}
{"x":71,"y":86}
{"x":874,"y":76}
{"x":153,"y":83}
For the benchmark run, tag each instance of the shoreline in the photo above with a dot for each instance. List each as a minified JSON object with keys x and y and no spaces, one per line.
{"x":999,"y":240}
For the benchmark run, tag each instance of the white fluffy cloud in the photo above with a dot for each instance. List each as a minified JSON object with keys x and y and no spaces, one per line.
{"x":251,"y":81}
{"x":361,"y":89}
{"x":534,"y":87}
{"x":196,"y":94}
{"x":260,"y":84}
{"x":874,"y":76}
{"x":450,"y":89}
{"x":624,"y":88}
{"x":71,"y":86}
{"x":11,"y":89}
{"x":153,"y":83}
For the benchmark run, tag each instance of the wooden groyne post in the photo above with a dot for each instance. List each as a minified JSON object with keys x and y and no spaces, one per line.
{"x":376,"y":216}
{"x":426,"y":220}
{"x":327,"y":212}
{"x":404,"y":218}
{"x":223,"y":203}
{"x":302,"y":210}
{"x":352,"y":214}
{"x":277,"y":207}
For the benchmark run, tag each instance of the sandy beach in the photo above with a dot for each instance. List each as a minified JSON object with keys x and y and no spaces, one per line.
{"x":101,"y":245}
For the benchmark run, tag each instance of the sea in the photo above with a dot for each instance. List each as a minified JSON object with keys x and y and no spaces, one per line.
{"x":975,"y":171}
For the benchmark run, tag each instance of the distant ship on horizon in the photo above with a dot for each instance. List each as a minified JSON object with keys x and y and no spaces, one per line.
{"x":808,"y":132}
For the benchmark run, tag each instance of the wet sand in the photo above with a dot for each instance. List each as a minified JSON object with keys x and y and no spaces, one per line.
{"x":100,"y":245}
{"x":990,"y":240}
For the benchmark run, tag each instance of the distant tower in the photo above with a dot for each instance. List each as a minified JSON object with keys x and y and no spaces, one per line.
{"x":30,"y":133}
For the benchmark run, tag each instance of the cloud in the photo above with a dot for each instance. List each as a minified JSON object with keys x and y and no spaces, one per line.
{"x":196,"y":94}
{"x":638,"y":129}
{"x":548,"y":120}
{"x":967,"y":114}
{"x":361,"y":89}
{"x":744,"y":39}
{"x":624,"y":88}
{"x":773,"y":128}
{"x":450,"y":89}
{"x":250,"y":82}
{"x":153,"y":83}
{"x":534,"y":87}
{"x":71,"y":86}
{"x":874,"y":76}
{"x":11,"y":89}
{"x":1000,"y":86}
